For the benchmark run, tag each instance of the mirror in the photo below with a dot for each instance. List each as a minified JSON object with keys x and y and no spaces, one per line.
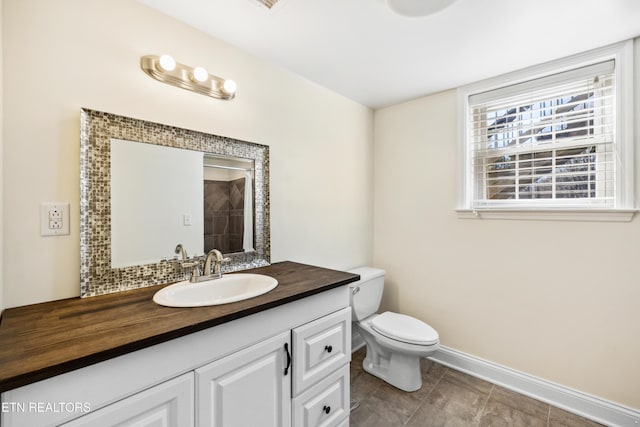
{"x":211,"y":202}
{"x":145,"y":187}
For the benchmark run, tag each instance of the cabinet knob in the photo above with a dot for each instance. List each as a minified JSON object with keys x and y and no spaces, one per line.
{"x":326,"y":409}
{"x":328,"y":348}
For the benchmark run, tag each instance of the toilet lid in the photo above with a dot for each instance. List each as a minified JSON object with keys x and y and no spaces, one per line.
{"x":405,"y":328}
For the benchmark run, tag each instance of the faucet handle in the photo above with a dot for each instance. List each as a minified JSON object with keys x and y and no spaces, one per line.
{"x":195,"y":273}
{"x":189,"y":264}
{"x":217,"y":266}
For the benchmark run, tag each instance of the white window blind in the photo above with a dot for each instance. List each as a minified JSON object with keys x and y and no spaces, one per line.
{"x":548,"y":142}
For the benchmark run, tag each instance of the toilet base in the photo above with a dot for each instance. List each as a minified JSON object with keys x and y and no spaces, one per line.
{"x":401,"y":371}
{"x":392,"y":361}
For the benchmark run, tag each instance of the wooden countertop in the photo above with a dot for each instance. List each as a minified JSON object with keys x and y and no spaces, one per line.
{"x":44,"y":340}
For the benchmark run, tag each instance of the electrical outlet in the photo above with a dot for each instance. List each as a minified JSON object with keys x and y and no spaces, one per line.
{"x":54,"y":219}
{"x":55,"y":212}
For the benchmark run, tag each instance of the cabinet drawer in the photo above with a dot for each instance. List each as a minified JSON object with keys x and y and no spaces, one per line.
{"x":325,"y":404}
{"x":320,"y":347}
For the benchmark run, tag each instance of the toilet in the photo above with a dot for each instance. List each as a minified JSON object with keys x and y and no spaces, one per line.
{"x":395,"y":342}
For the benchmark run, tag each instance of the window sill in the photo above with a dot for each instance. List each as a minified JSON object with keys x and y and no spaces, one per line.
{"x":602,"y":215}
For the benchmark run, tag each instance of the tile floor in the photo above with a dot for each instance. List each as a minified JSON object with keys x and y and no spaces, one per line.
{"x":448,"y":398}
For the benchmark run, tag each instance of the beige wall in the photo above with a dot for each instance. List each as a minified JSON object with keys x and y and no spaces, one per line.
{"x":558,"y":300}
{"x":62,"y":55}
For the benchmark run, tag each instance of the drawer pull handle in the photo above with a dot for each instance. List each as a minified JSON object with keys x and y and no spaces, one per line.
{"x":286,"y":349}
{"x":326,"y":409}
{"x":328,"y":348}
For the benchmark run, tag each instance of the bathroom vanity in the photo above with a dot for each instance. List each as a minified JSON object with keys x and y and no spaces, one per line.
{"x":280,"y":359}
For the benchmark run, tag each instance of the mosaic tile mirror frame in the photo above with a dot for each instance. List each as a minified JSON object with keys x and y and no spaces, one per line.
{"x":96,"y":131}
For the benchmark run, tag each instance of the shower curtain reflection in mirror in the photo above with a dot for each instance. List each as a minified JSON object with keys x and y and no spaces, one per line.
{"x":228,"y":204}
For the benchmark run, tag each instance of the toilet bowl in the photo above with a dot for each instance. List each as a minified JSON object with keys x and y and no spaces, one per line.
{"x":395,"y":342}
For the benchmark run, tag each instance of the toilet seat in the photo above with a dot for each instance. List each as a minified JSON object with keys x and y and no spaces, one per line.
{"x":404,"y":328}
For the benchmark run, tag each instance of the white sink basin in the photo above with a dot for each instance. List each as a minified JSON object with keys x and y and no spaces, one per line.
{"x":229,"y":288}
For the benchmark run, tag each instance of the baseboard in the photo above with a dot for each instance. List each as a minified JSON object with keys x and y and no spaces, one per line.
{"x":585,"y":405}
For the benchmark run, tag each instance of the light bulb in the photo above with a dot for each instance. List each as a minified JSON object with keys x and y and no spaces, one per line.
{"x":167,"y":63}
{"x":200,"y":74}
{"x":229,"y":87}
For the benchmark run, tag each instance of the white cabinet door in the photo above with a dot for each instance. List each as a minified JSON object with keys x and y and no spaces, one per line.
{"x":169,"y":404}
{"x":247,"y":389}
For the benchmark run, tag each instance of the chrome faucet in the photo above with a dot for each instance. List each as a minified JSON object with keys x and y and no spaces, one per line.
{"x":217,"y":261}
{"x":214,"y":256}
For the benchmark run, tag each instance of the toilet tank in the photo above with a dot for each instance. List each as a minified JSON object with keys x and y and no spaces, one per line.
{"x":366,"y":293}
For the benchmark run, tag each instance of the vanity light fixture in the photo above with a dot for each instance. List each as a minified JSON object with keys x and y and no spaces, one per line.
{"x":165,"y":69}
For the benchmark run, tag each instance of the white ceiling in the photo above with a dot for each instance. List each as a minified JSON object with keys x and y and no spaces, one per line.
{"x":364,"y":51}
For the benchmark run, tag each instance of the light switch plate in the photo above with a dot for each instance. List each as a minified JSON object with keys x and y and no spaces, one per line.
{"x":54,"y":219}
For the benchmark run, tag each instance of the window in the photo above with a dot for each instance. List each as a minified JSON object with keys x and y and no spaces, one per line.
{"x":557,"y":137}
